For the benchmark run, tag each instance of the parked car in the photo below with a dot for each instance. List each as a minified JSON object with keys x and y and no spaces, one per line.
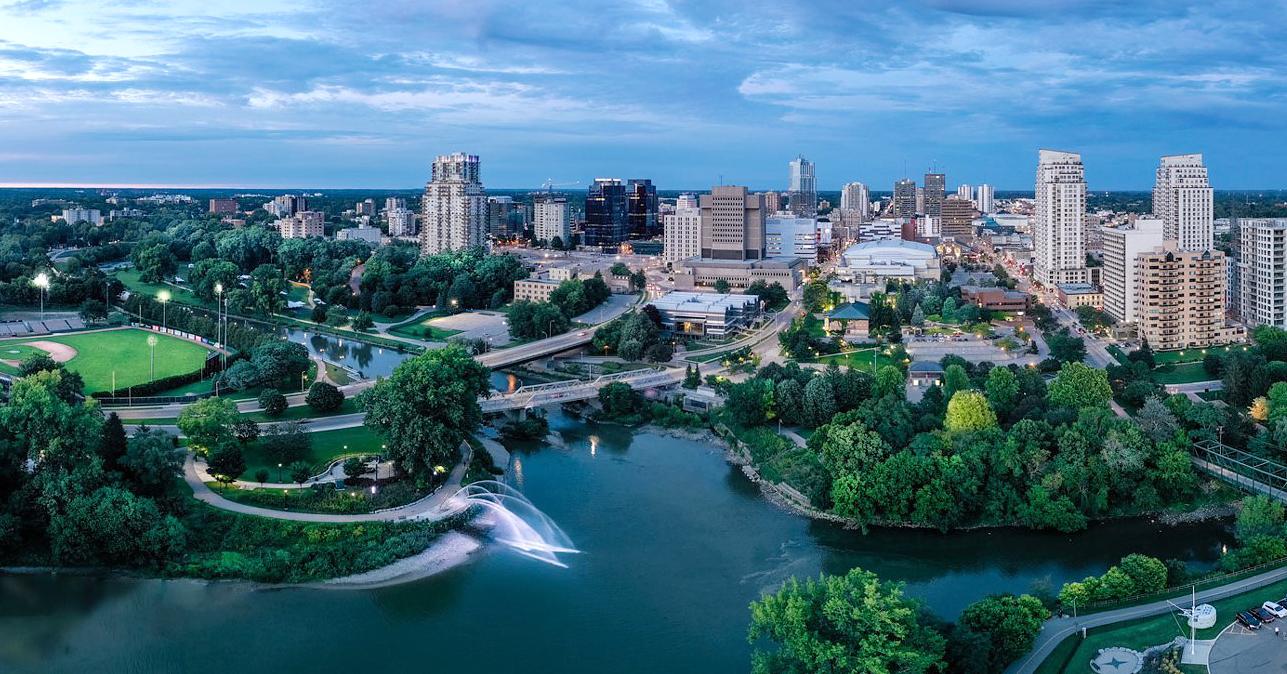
{"x":1248,"y":621}
{"x":1262,"y":615}
{"x":1274,"y":608}
{"x":1282,"y":603}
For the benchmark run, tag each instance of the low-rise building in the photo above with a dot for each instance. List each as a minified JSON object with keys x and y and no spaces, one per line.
{"x":534,"y":289}
{"x":706,"y":314}
{"x":694,"y":272}
{"x":74,"y":215}
{"x":371,"y":235}
{"x":224,"y":206}
{"x":1073,"y":295}
{"x":995,"y":299}
{"x":890,"y":258}
{"x":925,"y":373}
{"x":850,"y":319}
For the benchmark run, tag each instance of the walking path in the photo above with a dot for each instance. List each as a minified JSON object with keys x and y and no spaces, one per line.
{"x":333,"y":473}
{"x":433,"y":507}
{"x":1057,"y":629}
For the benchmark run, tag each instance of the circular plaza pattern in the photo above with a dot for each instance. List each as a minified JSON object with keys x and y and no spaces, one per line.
{"x":1117,"y":660}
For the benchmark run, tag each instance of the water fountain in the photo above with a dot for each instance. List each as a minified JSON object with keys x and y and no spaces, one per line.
{"x":514,"y":521}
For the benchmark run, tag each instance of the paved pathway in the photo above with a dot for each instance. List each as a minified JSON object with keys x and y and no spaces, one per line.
{"x":333,"y":473}
{"x":433,"y":507}
{"x":1057,"y":629}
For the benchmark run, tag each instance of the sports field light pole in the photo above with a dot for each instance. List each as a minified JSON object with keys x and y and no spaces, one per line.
{"x":163,"y":297}
{"x":41,"y":281}
{"x":151,"y":342}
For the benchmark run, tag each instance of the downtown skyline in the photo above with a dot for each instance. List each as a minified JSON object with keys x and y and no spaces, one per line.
{"x":276,"y":94}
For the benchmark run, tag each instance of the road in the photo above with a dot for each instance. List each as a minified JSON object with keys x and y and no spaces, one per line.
{"x":1057,"y":629}
{"x":1196,"y":387}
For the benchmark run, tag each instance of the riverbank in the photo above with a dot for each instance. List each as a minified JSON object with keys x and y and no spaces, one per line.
{"x":449,"y":551}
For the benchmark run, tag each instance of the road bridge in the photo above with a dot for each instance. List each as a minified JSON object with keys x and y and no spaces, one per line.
{"x":570,"y":391}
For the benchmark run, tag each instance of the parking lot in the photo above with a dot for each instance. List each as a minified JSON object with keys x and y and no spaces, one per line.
{"x":1256,"y":642}
{"x":969,"y":347}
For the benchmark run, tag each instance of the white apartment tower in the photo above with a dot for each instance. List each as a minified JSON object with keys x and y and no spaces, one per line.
{"x":1120,"y":276}
{"x":965,"y":192}
{"x":682,"y":235}
{"x":454,"y":208}
{"x":1058,"y":227}
{"x":551,"y":218}
{"x":1262,"y":271}
{"x":1182,"y":198}
{"x":856,"y":198}
{"x":984,"y":199}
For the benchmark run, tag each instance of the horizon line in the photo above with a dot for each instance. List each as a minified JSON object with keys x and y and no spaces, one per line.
{"x":215,"y":186}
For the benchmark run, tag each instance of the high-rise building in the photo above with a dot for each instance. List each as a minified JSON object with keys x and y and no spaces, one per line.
{"x":791,"y":236}
{"x":772,"y":202}
{"x":365,"y":207}
{"x":905,"y":198}
{"x":402,"y":221}
{"x":1262,"y":271}
{"x":641,"y":211}
{"x":552,"y":218}
{"x":1119,"y":278}
{"x":984,"y":199}
{"x":1058,"y":227}
{"x":303,"y":224}
{"x":500,"y":217}
{"x":224,"y":206}
{"x":957,"y":220}
{"x":965,"y":192}
{"x":454,"y":208}
{"x":394,"y":204}
{"x":732,"y":225}
{"x":856,"y":198}
{"x":1182,"y":198}
{"x":802,"y":198}
{"x":606,"y":205}
{"x":683,"y":230}
{"x":935,"y":189}
{"x":1180,"y":298}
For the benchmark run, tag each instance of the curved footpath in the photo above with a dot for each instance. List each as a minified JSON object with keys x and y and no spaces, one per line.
{"x":1057,"y":629}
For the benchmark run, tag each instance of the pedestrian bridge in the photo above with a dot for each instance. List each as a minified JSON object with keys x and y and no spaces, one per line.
{"x":1242,"y":469}
{"x":568,"y":391}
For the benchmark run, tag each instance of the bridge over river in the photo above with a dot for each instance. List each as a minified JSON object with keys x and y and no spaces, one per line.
{"x":1241,"y":468}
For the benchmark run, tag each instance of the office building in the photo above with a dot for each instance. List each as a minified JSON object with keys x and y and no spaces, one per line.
{"x":453,"y":214}
{"x":1262,"y":271}
{"x":365,"y":207}
{"x":74,"y":215}
{"x":706,"y":314}
{"x":224,"y":206}
{"x":503,"y":217}
{"x":965,"y":192}
{"x":694,"y":272}
{"x":286,"y":205}
{"x":1120,"y":279}
{"x":984,"y":199}
{"x":791,"y":236}
{"x":371,"y":235}
{"x":1182,"y":198}
{"x":641,"y":209}
{"x":802,"y":198}
{"x":552,"y":219}
{"x":534,"y":289}
{"x":1058,"y":228}
{"x":855,"y":198}
{"x":302,"y":225}
{"x":732,"y":224}
{"x":1180,"y":299}
{"x":394,"y":204}
{"x":683,"y":230}
{"x":934,"y":193}
{"x":606,"y":204}
{"x":957,"y":219}
{"x":905,"y":198}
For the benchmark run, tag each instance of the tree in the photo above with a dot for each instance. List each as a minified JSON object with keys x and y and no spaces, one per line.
{"x":851,"y":448}
{"x":721,"y":286}
{"x":226,"y":462}
{"x":955,"y":379}
{"x":324,"y":397}
{"x":113,"y":442}
{"x":354,"y":467}
{"x":44,"y":428}
{"x":427,"y":408}
{"x":70,"y":383}
{"x":773,"y":295}
{"x":299,"y":472}
{"x":618,"y":398}
{"x":245,"y":430}
{"x":1260,"y":516}
{"x":1002,"y":387}
{"x":286,"y":442}
{"x":93,"y":311}
{"x":850,"y":624}
{"x":1066,"y":348}
{"x":280,"y":362}
{"x":1148,"y":573}
{"x":207,"y":421}
{"x":151,"y":463}
{"x":273,"y":402}
{"x":1156,"y":421}
{"x":1277,"y":402}
{"x":969,"y":411}
{"x":816,"y":296}
{"x":890,"y":381}
{"x":692,"y":377}
{"x":918,"y":317}
{"x":1259,"y":409}
{"x":1079,"y":385}
{"x":819,"y":402}
{"x":1010,"y":623}
{"x":261,"y":476}
{"x":337,"y":316}
{"x":363,"y":322}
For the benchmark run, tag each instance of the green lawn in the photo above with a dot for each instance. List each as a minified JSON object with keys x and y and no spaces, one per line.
{"x":1074,"y":654}
{"x":327,"y":445}
{"x":1189,"y":355}
{"x":298,"y":292}
{"x":130,"y":278}
{"x":423,"y":328}
{"x":1179,"y":373}
{"x":125,"y":352}
{"x":859,"y":359}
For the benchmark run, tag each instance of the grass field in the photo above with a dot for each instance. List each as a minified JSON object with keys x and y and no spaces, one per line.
{"x":1179,"y":373}
{"x":125,"y":352}
{"x":327,"y":446}
{"x":1074,"y":654}
{"x":860,"y":360}
{"x":130,"y":279}
{"x":423,"y":329}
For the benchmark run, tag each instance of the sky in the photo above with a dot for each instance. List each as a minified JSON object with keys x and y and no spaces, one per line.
{"x":332,"y":93}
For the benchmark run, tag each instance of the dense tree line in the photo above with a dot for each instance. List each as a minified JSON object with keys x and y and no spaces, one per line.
{"x":397,"y":278}
{"x":531,"y":320}
{"x":635,"y":336}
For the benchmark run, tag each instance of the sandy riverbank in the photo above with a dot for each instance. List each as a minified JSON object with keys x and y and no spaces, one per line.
{"x":449,"y":551}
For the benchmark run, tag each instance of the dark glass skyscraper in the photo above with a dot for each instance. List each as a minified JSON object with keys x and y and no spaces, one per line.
{"x":605,"y":213}
{"x":642,"y":209}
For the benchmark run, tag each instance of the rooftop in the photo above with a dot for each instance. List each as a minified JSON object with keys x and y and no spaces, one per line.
{"x":849,"y":311}
{"x":1077,"y":288}
{"x":704,"y":302}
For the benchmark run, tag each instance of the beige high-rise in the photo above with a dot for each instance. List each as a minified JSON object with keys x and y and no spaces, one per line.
{"x":1180,"y":298}
{"x":732,"y":225}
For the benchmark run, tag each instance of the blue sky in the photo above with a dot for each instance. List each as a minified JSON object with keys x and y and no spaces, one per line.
{"x":329,"y":93}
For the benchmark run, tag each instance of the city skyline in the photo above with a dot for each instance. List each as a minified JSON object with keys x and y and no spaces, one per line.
{"x":338,"y":95}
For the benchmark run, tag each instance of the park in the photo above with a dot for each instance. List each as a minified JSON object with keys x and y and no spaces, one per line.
{"x":118,"y":357}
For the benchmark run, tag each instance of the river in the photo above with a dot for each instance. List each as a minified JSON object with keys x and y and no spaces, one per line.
{"x":676,"y":544}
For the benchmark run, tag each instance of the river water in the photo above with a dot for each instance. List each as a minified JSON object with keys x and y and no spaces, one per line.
{"x":676,"y":544}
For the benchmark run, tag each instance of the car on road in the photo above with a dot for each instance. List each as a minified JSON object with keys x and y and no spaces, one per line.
{"x":1262,"y":615}
{"x":1247,"y":620}
{"x":583,"y":333}
{"x":1275,"y":608}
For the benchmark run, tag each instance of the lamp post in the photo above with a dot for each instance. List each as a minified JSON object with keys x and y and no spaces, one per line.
{"x":279,"y":473}
{"x":163,"y":297}
{"x":151,"y":342}
{"x":41,"y":281}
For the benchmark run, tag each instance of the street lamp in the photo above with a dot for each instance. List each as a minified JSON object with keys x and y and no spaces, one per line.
{"x":41,"y":281}
{"x":163,"y":297}
{"x":151,"y":342}
{"x":279,"y":473}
